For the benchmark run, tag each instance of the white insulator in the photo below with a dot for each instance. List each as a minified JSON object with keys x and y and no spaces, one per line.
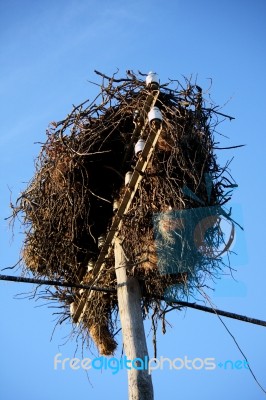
{"x":115,"y":205}
{"x":90,"y":266}
{"x":81,"y":291}
{"x":136,"y":115}
{"x":101,"y":241}
{"x":139,"y":146}
{"x":73,"y":308}
{"x":155,"y":114}
{"x":152,"y":78}
{"x":128,"y":177}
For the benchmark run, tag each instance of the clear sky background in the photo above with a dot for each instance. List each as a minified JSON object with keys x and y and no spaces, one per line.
{"x":49,"y":50}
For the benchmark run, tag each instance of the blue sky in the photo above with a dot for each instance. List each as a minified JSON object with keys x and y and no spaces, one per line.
{"x":49,"y":50}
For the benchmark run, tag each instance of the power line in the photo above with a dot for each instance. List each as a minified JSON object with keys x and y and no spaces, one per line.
{"x":47,"y":282}
{"x":237,"y":344}
{"x":215,"y":311}
{"x":180,"y":303}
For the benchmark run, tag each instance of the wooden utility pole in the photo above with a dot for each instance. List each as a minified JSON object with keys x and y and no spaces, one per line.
{"x":134,"y":339}
{"x":128,"y":292}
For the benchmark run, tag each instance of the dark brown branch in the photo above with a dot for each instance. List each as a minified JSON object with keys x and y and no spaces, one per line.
{"x":219,"y":113}
{"x":112,"y":79}
{"x":230,"y":147}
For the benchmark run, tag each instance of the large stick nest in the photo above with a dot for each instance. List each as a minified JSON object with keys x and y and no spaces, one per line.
{"x":79,"y":175}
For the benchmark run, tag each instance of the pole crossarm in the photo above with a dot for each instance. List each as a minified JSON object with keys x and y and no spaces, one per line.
{"x":134,"y":182}
{"x":129,"y":194}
